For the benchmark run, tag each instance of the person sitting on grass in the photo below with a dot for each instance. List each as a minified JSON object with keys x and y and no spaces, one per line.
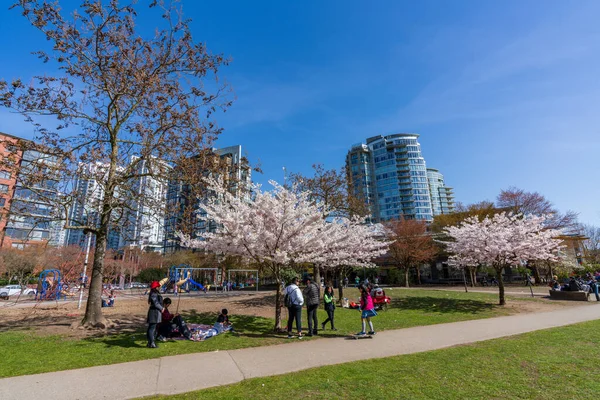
{"x":368,"y":310}
{"x":171,"y":324}
{"x":223,"y":324}
{"x":111,"y":300}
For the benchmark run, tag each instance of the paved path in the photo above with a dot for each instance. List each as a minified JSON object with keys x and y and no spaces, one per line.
{"x":184,"y":373}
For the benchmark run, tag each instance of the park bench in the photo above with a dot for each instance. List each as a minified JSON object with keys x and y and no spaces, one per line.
{"x":567,"y":295}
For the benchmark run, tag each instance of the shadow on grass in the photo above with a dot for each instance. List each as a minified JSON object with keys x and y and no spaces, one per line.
{"x":245,"y":325}
{"x":441,"y":305}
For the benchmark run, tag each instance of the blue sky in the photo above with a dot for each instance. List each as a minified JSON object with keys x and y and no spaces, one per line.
{"x":502,"y":93}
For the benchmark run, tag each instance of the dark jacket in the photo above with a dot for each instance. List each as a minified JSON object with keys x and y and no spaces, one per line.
{"x":328,"y":301}
{"x":156,"y":306}
{"x":312,"y":294}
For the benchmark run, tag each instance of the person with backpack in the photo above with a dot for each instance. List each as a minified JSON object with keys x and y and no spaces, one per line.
{"x":294,"y":301}
{"x":312,"y":294}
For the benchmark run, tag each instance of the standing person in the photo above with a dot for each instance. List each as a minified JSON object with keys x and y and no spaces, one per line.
{"x":294,"y":301}
{"x":329,"y":304}
{"x":154,"y":313}
{"x":345,"y":282}
{"x":312,"y":294}
{"x":368,"y":310}
{"x":357,"y":280}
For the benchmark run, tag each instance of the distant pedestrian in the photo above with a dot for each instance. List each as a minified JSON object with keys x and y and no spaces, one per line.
{"x":357,"y":280}
{"x":329,"y":303}
{"x":294,"y":301}
{"x":155,"y":301}
{"x":368,"y":310}
{"x":312,"y":296}
{"x":345,"y":282}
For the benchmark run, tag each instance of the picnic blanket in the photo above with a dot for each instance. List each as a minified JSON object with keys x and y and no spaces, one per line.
{"x":200,"y":332}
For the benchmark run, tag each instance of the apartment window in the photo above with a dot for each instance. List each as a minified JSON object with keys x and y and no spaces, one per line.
{"x":4,"y":175}
{"x":3,"y":188}
{"x":2,"y":201}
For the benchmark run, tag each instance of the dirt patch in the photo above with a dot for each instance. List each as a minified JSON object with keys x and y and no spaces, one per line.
{"x":128,"y":314}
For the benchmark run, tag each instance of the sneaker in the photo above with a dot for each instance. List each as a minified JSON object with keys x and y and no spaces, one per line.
{"x":334,"y":329}
{"x":300,"y":336}
{"x":323,"y":326}
{"x":151,"y":345}
{"x":290,"y":336}
{"x":371,"y":333}
{"x":361,"y":334}
{"x":161,"y":339}
{"x":309,"y":334}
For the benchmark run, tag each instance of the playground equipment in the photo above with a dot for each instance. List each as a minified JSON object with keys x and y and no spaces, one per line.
{"x":184,"y":277}
{"x":198,"y":278}
{"x":50,"y":285}
{"x":243,"y":278}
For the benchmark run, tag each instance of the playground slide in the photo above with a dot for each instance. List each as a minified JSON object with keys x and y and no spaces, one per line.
{"x":181,"y":282}
{"x":193,"y":282}
{"x":163,"y":281}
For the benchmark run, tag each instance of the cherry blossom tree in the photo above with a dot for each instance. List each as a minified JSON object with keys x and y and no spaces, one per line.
{"x":280,"y":229}
{"x":502,"y":241}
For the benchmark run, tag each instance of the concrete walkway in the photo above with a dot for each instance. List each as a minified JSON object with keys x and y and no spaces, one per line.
{"x":184,"y":373}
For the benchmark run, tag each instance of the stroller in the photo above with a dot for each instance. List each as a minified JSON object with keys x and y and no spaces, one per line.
{"x":380,"y":300}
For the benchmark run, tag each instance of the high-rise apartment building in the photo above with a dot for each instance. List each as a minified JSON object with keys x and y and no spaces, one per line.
{"x":442,"y":196}
{"x":8,"y":180}
{"x":390,"y":174}
{"x":34,"y":215}
{"x":183,"y":204}
{"x":146,"y":215}
{"x":85,"y":210}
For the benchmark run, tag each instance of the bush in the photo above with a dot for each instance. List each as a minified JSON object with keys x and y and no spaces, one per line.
{"x":152,"y":274}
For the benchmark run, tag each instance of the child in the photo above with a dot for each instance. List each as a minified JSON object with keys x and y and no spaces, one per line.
{"x":368,"y":310}
{"x":223,"y":324}
{"x":329,"y":303}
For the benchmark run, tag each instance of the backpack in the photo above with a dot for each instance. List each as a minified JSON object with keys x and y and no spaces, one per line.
{"x":287,"y":300}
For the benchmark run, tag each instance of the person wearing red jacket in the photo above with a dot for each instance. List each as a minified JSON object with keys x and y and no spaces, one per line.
{"x":172,"y":323}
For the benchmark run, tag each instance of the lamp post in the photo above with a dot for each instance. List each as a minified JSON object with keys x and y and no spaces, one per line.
{"x":85,"y":263}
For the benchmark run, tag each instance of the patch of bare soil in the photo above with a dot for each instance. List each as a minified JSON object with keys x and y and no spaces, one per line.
{"x":128,"y":314}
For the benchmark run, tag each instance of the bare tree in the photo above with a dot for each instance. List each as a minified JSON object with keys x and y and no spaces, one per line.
{"x":533,"y":203}
{"x":131,"y":106}
{"x":20,"y":265}
{"x":411,"y":245}
{"x":592,"y":244}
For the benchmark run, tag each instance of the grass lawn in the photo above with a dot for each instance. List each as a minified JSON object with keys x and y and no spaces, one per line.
{"x":26,"y":352}
{"x":559,"y":363}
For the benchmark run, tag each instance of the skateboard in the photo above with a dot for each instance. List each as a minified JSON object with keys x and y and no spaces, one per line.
{"x":356,"y":337}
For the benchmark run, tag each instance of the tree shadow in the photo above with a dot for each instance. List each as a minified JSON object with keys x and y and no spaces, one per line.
{"x":263,"y":301}
{"x":244,"y":325}
{"x":441,"y":305}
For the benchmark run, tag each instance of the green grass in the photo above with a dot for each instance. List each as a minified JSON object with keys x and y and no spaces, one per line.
{"x":560,"y":363}
{"x":27,"y":352}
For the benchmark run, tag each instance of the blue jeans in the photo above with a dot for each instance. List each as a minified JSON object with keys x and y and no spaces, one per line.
{"x":295,"y":313}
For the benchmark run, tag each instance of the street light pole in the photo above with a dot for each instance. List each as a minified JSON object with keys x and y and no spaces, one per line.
{"x":85,"y":263}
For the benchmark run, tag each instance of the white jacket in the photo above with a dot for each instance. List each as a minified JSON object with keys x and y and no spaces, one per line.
{"x":295,"y":294}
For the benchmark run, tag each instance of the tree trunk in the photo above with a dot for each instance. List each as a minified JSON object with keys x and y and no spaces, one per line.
{"x":340,"y":279}
{"x":93,"y":311}
{"x":473,"y":276}
{"x":500,"y":286}
{"x":406,"y":277}
{"x":317,"y":275}
{"x":418,"y":275}
{"x":278,"y":302}
{"x":536,"y":275}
